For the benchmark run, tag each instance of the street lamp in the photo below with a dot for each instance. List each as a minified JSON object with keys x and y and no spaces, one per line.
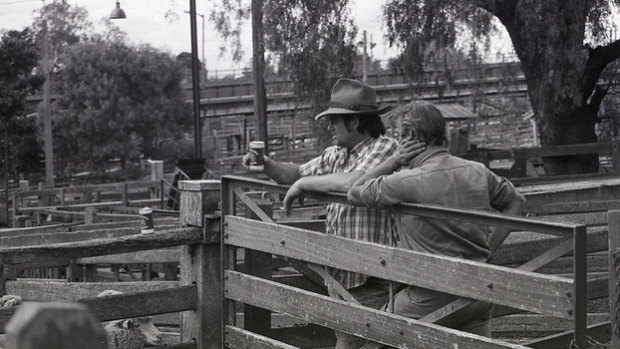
{"x":117,"y":13}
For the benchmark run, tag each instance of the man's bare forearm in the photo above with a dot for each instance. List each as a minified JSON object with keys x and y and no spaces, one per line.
{"x":281,"y":172}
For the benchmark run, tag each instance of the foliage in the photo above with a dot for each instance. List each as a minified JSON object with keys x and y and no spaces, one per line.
{"x":18,"y":57}
{"x":118,"y":103}
{"x":63,"y":24}
{"x":562,"y":46}
{"x":312,"y":42}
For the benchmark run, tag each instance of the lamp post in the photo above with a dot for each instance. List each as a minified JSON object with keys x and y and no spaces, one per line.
{"x":202,"y":48}
{"x":195,"y":81}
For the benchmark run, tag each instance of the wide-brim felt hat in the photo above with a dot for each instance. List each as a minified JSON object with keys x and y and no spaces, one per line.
{"x":352,"y":97}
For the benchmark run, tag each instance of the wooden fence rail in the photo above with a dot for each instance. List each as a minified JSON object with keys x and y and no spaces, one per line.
{"x":545,"y":294}
{"x":218,"y":269}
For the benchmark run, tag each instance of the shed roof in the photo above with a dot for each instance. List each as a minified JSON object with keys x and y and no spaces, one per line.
{"x":451,"y":112}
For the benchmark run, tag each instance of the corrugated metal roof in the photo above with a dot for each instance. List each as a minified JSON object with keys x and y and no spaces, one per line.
{"x":455,"y":111}
{"x":452,"y":112}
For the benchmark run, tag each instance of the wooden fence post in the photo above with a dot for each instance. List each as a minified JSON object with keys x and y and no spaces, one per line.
{"x":200,"y":265}
{"x":615,"y":158}
{"x":613,"y":219}
{"x":257,"y":263}
{"x":90,"y":215}
{"x":125,"y":194}
{"x":54,"y":325}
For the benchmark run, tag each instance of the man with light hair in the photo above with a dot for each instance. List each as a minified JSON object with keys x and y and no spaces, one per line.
{"x":438,"y":178}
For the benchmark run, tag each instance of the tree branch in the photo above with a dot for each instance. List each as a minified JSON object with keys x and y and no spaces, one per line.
{"x":597,"y":98}
{"x":598,"y":59}
{"x":496,"y":7}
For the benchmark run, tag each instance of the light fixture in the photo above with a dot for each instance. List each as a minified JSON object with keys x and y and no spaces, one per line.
{"x":117,"y":13}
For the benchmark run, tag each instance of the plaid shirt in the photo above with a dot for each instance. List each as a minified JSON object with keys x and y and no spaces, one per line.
{"x":359,"y":223}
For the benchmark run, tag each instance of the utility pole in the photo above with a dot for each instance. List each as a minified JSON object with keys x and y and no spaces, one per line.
{"x":6,"y":174}
{"x":195,"y":82}
{"x":46,"y":66}
{"x":258,"y":62}
{"x":364,"y":66}
{"x":204,"y":62}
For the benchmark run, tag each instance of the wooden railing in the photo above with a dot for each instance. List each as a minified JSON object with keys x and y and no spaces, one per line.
{"x":522,"y":171}
{"x":520,"y":288}
{"x":235,"y":262}
{"x":34,"y":247}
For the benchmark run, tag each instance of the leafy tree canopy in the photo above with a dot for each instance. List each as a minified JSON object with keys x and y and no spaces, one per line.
{"x":563,"y":47}
{"x":18,"y":57}
{"x":312,"y":42}
{"x":117,"y":102}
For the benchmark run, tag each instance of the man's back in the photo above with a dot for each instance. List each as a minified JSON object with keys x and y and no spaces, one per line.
{"x":439,"y":178}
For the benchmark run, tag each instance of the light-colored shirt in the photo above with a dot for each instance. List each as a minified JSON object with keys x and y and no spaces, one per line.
{"x":442,"y":179}
{"x":360,"y":223}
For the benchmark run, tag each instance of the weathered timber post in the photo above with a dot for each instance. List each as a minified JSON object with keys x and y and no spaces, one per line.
{"x":613,"y":219}
{"x":258,"y":263}
{"x":54,"y":325}
{"x":228,"y":256}
{"x":90,"y":215}
{"x":7,"y":272}
{"x":200,"y":263}
{"x":615,"y":158}
{"x":125,"y":194}
{"x":157,"y":174}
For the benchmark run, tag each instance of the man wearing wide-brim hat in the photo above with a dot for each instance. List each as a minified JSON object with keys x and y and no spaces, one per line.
{"x":354,"y":117}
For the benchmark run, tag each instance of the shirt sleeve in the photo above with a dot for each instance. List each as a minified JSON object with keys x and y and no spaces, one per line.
{"x":320,"y":165}
{"x":501,"y":192}
{"x":391,"y":189}
{"x":379,"y":152}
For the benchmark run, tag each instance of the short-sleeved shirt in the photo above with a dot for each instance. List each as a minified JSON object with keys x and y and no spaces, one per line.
{"x":360,"y":223}
{"x":442,"y":179}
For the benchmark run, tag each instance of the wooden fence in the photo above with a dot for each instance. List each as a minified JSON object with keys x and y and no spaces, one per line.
{"x":121,"y":200}
{"x":235,"y":263}
{"x":522,"y":161}
{"x":521,"y":288}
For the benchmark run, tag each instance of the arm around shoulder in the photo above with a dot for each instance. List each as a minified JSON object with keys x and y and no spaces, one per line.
{"x":498,"y":235}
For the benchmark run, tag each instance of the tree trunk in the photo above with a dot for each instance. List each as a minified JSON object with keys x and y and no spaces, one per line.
{"x":571,"y":126}
{"x":553,"y":59}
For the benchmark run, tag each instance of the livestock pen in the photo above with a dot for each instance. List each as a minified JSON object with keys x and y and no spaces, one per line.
{"x":231,"y":260}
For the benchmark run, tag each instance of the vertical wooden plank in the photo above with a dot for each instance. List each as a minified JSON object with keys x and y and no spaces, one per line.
{"x":200,"y":266}
{"x":15,"y":210}
{"x":198,"y":197}
{"x":161,"y":194}
{"x":615,"y":158}
{"x":90,"y":215}
{"x":613,"y":219}
{"x":227,"y":255}
{"x":90,"y":272}
{"x":580,"y":268}
{"x":54,"y":325}
{"x":124,"y":195}
{"x":74,"y":272}
{"x":62,"y":196}
{"x":256,"y":319}
{"x":7,"y":272}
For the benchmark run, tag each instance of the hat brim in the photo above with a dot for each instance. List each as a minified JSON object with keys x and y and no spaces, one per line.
{"x":345,"y":111}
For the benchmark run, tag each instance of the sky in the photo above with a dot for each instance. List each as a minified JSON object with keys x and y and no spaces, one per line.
{"x":147,"y":23}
